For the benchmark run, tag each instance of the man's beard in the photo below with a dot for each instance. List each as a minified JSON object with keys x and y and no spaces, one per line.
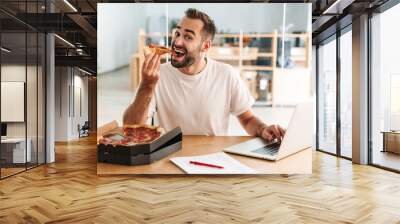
{"x":189,"y":59}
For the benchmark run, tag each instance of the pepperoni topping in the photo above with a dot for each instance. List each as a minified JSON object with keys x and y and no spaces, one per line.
{"x":134,"y":135}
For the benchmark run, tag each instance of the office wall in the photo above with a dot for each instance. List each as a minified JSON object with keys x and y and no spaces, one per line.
{"x":71,"y":102}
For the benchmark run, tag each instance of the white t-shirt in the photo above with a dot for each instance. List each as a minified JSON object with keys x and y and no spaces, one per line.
{"x":200,"y":104}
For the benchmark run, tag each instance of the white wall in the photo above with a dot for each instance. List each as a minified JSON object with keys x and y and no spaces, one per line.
{"x":66,"y":121}
{"x":119,"y":23}
{"x":117,"y":33}
{"x":61,"y":103}
{"x":80,"y":83}
{"x":113,"y":96}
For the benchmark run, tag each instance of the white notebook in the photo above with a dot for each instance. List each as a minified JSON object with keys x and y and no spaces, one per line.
{"x":229,"y":164}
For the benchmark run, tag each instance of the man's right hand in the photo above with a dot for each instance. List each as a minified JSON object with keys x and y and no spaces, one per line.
{"x":136,"y":113}
{"x":151,"y":69}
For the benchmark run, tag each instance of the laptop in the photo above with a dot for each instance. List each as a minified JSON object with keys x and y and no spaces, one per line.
{"x":298,"y":137}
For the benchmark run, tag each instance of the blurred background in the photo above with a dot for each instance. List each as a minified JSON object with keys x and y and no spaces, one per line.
{"x":268,"y":44}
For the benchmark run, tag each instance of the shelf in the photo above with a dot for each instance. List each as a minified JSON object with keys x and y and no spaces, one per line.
{"x":267,"y":35}
{"x":227,"y":35}
{"x":262,"y":104}
{"x":225,"y":58}
{"x":257,"y":68}
{"x":265,"y":54}
{"x":234,"y":58}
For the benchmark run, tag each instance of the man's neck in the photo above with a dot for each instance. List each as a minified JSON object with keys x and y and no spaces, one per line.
{"x":194,"y":69}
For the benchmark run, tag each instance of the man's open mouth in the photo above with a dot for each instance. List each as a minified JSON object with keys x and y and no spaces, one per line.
{"x":178,"y":54}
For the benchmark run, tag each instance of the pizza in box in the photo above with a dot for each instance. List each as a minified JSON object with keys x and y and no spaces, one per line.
{"x":132,"y":135}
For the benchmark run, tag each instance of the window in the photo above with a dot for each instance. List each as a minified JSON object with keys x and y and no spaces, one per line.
{"x":346,"y":94}
{"x":327,"y":97}
{"x":385,"y":89}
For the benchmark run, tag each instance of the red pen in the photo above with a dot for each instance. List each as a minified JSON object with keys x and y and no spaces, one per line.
{"x":206,"y":164}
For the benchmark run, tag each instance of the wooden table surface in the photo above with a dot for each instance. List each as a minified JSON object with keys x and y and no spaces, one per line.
{"x":299,"y":163}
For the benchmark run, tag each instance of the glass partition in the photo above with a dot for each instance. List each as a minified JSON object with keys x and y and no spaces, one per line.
{"x":13,"y":94}
{"x":22,"y":91}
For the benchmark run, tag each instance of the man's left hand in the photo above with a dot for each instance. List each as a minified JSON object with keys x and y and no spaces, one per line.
{"x":272,"y":132}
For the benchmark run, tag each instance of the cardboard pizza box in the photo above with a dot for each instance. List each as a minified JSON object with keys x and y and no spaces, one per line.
{"x":141,"y":154}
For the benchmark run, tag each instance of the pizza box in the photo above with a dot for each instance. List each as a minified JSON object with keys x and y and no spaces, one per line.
{"x":141,"y":154}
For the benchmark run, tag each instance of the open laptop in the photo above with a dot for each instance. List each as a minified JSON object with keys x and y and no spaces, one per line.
{"x":298,"y":137}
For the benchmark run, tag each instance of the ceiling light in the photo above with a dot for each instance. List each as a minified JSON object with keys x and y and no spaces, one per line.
{"x":84,"y":71}
{"x":331,"y":7}
{"x":70,"y":5}
{"x":5,"y":50}
{"x":338,"y":6}
{"x":65,"y":41}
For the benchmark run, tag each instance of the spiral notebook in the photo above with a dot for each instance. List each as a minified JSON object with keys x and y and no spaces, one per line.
{"x":229,"y":164}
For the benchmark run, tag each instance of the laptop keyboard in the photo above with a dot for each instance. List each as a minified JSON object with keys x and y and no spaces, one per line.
{"x":270,"y":150}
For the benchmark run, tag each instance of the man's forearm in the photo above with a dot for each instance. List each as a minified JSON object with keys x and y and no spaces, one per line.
{"x":137,"y":112}
{"x":252,"y":124}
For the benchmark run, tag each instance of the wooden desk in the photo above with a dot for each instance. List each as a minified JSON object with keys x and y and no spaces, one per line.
{"x":299,"y":163}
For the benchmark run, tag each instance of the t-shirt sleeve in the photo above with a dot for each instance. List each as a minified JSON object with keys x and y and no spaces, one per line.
{"x":241,"y":98}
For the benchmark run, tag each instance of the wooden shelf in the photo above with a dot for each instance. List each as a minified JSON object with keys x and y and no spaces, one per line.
{"x":257,"y":68}
{"x":265,"y":55}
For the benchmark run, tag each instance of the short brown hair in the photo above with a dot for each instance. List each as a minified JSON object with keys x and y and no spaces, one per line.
{"x":208,"y":24}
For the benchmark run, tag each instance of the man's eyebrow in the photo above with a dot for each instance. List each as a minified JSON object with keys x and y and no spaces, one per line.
{"x":187,"y":30}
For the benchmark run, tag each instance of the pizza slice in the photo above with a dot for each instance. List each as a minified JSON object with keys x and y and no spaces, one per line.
{"x":143,"y":133}
{"x":160,"y":50}
{"x":132,"y":135}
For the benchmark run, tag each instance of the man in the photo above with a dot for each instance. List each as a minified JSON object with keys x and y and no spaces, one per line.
{"x":193,"y":91}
